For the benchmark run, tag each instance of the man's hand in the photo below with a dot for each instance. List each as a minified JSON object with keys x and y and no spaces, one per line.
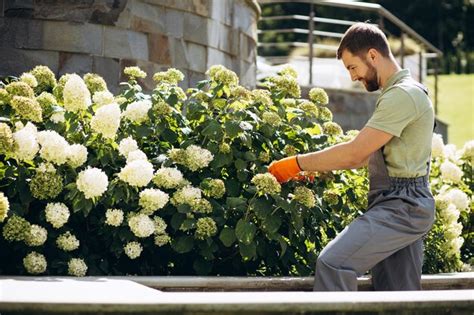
{"x":285,"y":169}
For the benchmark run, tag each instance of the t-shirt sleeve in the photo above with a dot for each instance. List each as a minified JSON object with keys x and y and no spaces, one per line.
{"x":394,"y":111}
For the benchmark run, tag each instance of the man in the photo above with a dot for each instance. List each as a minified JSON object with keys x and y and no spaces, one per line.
{"x":396,"y":145}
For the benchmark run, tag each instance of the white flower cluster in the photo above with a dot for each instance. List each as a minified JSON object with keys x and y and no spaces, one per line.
{"x":113,"y":217}
{"x":77,"y":155}
{"x":136,"y":155}
{"x":29,"y":79}
{"x":26,"y":143}
{"x":102,"y":98}
{"x":126,"y":146}
{"x":106,"y":120}
{"x":92,"y":182}
{"x":437,"y":146}
{"x":76,"y":95}
{"x":57,"y":214}
{"x":67,"y":242}
{"x":152,"y":200}
{"x":451,"y":172}
{"x":76,"y":267}
{"x":186,"y":196}
{"x":54,"y":148}
{"x":35,"y":263}
{"x":193,"y":157}
{"x":137,"y":111}
{"x":133,"y":249}
{"x":137,"y":173}
{"x":37,"y":236}
{"x":141,"y":225}
{"x":168,"y":178}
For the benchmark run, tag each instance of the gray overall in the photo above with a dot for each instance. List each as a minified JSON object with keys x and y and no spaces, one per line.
{"x":387,"y":239}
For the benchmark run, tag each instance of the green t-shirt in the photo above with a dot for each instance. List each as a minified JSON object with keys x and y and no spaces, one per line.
{"x":405,"y":111}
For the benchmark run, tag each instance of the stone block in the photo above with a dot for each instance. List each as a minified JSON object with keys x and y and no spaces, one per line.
{"x":72,"y":37}
{"x":158,"y":49}
{"x":174,"y":23}
{"x":200,"y":7}
{"x":244,"y":18}
{"x":109,"y":69}
{"x":225,"y":38}
{"x":74,"y":63}
{"x":197,"y":57}
{"x":120,"y":43}
{"x":248,"y":74}
{"x":196,"y":29}
{"x":147,"y":17}
{"x":217,"y":57}
{"x":178,"y":51}
{"x":221,"y":11}
{"x":16,"y":61}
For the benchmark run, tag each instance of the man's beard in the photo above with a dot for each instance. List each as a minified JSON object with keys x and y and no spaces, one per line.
{"x":371,"y":82}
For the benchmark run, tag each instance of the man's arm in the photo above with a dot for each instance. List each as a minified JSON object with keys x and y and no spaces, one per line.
{"x":352,"y":154}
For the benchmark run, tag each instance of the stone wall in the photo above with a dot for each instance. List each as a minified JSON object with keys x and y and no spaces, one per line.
{"x":104,"y":36}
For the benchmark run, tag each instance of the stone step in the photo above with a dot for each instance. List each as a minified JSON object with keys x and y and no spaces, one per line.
{"x":63,"y":295}
{"x":447,"y":281}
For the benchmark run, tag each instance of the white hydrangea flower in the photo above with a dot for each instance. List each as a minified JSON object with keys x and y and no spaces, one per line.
{"x":76,"y":95}
{"x":114,"y":217}
{"x":453,"y":231}
{"x":458,"y":198}
{"x":54,"y":148}
{"x":186,"y":195}
{"x":57,"y":214}
{"x":197,"y":157}
{"x":106,"y":120}
{"x":92,"y":182}
{"x":137,"y":111}
{"x":437,"y":145}
{"x":162,"y":239}
{"x":67,"y":242}
{"x":58,"y":117}
{"x":450,"y":214}
{"x":127,"y":145}
{"x":160,"y":225}
{"x":168,"y":177}
{"x":77,"y":155}
{"x":102,"y":98}
{"x":152,"y":200}
{"x":451,"y":172}
{"x":77,"y":267}
{"x":133,"y":250}
{"x":26,"y":143}
{"x":35,"y":263}
{"x":29,"y":79}
{"x":468,"y":150}
{"x":136,"y":155}
{"x":137,"y":173}
{"x":37,"y":236}
{"x":141,"y":225}
{"x":449,"y":152}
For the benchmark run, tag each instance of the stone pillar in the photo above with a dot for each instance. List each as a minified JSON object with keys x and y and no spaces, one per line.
{"x":106,"y":36}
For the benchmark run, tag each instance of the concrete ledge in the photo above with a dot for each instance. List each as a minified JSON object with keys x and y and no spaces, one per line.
{"x":48,"y":295}
{"x":463,"y":280}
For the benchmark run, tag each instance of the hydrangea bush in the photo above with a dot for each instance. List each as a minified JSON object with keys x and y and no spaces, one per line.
{"x":175,"y":182}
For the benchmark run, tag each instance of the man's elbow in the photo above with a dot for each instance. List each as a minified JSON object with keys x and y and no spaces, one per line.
{"x":357,"y":157}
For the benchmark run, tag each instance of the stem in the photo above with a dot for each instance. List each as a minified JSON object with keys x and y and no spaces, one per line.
{"x":273,"y":212}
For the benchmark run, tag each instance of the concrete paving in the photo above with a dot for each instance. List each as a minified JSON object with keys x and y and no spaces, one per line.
{"x":48,"y":295}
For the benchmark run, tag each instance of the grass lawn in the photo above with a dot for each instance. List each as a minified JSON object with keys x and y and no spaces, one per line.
{"x":456,"y":105}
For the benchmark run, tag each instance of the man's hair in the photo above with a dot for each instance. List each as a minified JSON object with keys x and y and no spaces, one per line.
{"x":361,"y":37}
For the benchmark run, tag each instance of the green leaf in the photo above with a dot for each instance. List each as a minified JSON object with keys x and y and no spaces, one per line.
{"x":187,"y":224}
{"x":240,"y":164}
{"x":248,"y":251}
{"x":271,"y":224}
{"x":232,"y":128}
{"x":227,"y":236}
{"x":250,"y":156}
{"x":213,"y":130}
{"x":232,"y":187}
{"x":172,"y":99}
{"x":245,"y":231}
{"x":202,"y":266}
{"x":183,"y":244}
{"x":262,"y":207}
{"x":176,"y":220}
{"x":183,"y":208}
{"x":236,"y":202}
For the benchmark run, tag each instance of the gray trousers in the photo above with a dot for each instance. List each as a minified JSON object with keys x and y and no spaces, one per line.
{"x":387,"y":239}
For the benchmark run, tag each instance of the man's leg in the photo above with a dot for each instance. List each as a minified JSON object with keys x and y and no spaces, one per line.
{"x":369,"y":239}
{"x":401,"y":270}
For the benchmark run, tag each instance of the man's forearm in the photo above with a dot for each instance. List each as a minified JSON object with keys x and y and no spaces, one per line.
{"x":338,"y":157}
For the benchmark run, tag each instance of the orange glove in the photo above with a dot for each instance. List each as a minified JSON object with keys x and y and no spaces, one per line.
{"x":285,"y":169}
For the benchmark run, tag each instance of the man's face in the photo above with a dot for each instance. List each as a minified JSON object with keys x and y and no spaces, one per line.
{"x":361,"y":70}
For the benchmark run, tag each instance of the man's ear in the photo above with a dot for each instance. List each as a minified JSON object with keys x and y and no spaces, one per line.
{"x":372,"y":55}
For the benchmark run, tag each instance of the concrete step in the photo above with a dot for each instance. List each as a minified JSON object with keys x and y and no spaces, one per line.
{"x":447,"y":281}
{"x":63,"y":295}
